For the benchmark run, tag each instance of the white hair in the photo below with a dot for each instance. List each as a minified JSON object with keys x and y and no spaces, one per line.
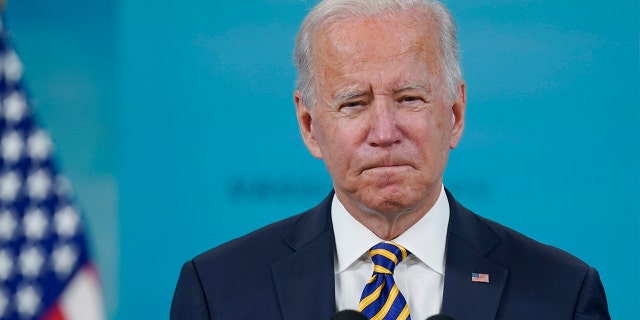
{"x":329,"y":11}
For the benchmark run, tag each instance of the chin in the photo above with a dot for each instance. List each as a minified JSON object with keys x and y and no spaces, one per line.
{"x":388,"y":204}
{"x":396,"y":198}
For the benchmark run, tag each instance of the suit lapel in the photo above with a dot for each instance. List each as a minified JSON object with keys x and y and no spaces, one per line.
{"x":469,"y":242}
{"x":304,"y":280}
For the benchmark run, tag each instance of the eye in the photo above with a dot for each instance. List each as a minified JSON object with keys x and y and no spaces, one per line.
{"x":351,"y":104}
{"x":352,"y":107}
{"x":410,"y":99}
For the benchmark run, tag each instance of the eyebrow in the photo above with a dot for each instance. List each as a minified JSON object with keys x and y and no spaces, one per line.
{"x":349,"y":93}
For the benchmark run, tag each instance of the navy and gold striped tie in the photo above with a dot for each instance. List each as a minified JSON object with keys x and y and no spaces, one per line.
{"x":381,"y":299}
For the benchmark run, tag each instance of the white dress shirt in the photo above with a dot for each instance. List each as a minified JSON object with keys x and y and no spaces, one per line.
{"x":420,"y":277}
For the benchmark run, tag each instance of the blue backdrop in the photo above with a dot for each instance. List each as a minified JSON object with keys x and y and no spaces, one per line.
{"x":175,"y":123}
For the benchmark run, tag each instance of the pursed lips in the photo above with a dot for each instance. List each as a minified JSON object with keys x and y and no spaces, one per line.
{"x":384,"y":167}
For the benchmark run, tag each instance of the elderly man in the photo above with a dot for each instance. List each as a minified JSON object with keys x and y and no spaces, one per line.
{"x":381,"y":100}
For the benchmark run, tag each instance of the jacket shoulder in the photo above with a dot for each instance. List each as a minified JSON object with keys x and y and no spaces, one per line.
{"x":505,"y":245}
{"x":515,"y":246}
{"x":213,"y":284}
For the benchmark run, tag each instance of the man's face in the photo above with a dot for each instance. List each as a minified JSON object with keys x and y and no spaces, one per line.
{"x":383,"y":121}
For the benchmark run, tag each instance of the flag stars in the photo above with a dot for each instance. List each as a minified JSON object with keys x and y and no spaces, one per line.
{"x":35,"y":224}
{"x":39,"y":145}
{"x":14,"y":107}
{"x":9,"y":186}
{"x":40,"y":248}
{"x":31,"y":261}
{"x":66,"y":221}
{"x":38,"y":185}
{"x":6,"y":265}
{"x":64,"y":259}
{"x":13,"y":67}
{"x":11,"y":146}
{"x":28,"y":301}
{"x":8,"y":225}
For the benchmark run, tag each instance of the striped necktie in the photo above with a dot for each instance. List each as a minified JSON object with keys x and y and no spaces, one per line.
{"x":381,"y":299}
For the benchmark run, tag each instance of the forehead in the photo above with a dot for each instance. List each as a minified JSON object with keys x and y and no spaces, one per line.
{"x":355,"y":41}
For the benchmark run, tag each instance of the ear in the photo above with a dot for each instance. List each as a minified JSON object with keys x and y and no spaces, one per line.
{"x":305,"y":121}
{"x":457,"y":115}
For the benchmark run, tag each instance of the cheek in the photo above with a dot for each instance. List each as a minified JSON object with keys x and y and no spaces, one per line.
{"x":338,"y":143}
{"x":328,"y":138}
{"x":428,"y":132}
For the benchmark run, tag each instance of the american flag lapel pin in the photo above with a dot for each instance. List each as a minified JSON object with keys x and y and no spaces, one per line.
{"x":480,"y":277}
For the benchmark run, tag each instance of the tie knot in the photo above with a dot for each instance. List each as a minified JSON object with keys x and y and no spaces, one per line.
{"x":386,"y":255}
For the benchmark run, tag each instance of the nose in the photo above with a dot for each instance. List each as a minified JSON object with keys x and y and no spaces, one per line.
{"x":383,"y":126}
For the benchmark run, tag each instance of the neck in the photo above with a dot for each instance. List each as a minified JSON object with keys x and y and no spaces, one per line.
{"x":390,"y":228}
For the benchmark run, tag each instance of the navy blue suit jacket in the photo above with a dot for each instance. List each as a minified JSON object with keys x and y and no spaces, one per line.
{"x":285,"y":271}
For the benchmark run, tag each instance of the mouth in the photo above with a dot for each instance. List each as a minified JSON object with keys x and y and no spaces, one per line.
{"x":385,"y":168}
{"x":387,"y":164}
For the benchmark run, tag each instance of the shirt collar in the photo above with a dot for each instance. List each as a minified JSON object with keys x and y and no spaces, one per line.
{"x":426,"y":239}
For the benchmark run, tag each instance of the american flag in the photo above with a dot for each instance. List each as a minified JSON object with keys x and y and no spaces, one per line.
{"x":45,"y":269}
{"x":480,"y":277}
